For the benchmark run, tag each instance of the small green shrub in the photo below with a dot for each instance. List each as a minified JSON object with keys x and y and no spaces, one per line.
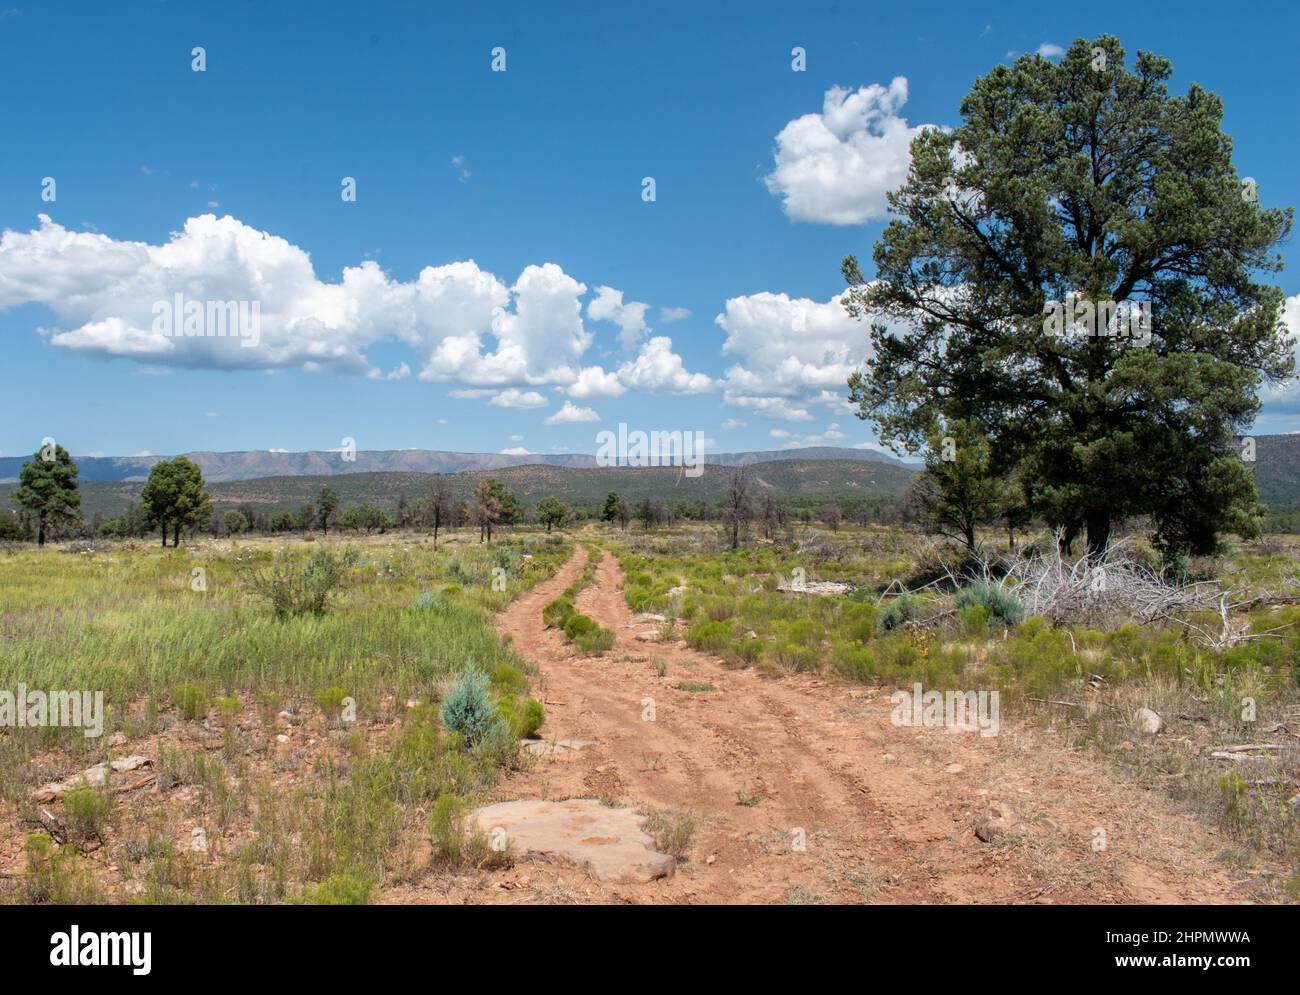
{"x":897,"y":611}
{"x":711,"y":637}
{"x":455,"y":842}
{"x":524,"y":718}
{"x":429,"y":602}
{"x":339,"y":889}
{"x":293,"y":587}
{"x":509,"y":679}
{"x":54,"y":875}
{"x":577,"y":625}
{"x":557,"y":612}
{"x":190,"y":700}
{"x":331,"y":700}
{"x":85,"y":810}
{"x":1000,"y":603}
{"x":467,"y":709}
{"x":673,"y":832}
{"x":595,"y":641}
{"x":974,"y":619}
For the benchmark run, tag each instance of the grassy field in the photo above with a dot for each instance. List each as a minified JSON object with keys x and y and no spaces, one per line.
{"x":310,"y":704}
{"x":302,"y":754}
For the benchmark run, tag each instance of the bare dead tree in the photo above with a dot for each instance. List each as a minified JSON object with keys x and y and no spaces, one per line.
{"x":737,"y":509}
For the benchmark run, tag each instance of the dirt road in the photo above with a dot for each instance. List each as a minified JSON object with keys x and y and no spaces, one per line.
{"x":888,"y":813}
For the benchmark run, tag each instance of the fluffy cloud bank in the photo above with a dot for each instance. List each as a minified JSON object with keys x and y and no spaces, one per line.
{"x":467,"y":326}
{"x":836,"y":166}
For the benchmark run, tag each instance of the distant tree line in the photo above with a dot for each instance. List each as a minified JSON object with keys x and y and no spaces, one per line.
{"x":174,"y":503}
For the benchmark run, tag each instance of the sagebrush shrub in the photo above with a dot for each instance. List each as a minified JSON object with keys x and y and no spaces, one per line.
{"x":897,"y":611}
{"x":429,"y":602}
{"x":1000,"y":603}
{"x":296,"y":588}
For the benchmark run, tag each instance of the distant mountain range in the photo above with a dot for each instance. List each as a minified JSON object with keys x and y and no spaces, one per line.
{"x":272,"y":481}
{"x":223,"y":467}
{"x":801,"y":482}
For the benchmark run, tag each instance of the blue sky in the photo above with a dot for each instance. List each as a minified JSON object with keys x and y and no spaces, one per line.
{"x":533,"y":174}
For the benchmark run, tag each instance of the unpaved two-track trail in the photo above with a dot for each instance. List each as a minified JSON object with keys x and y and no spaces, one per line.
{"x":888,"y":812}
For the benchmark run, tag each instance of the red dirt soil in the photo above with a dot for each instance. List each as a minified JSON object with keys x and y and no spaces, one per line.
{"x":888,"y":812}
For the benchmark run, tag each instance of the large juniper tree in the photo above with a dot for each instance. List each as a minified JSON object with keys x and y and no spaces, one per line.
{"x":47,"y":488}
{"x":174,"y":495}
{"x":1082,"y":178}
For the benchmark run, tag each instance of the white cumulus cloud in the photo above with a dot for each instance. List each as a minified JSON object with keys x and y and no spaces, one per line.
{"x":571,"y":413}
{"x":836,"y":166}
{"x":658,"y":368}
{"x":608,"y":305}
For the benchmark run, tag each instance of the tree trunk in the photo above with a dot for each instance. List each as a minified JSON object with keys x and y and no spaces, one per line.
{"x":1067,"y":539}
{"x":164,"y":534}
{"x":40,"y":530}
{"x":1098,"y":533}
{"x":176,"y":535}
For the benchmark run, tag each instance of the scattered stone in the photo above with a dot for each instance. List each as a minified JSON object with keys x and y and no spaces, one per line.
{"x":610,"y":843}
{"x":53,"y":826}
{"x":646,"y":617}
{"x":91,"y":777}
{"x":997,"y":823}
{"x":890,"y":758}
{"x":953,"y":769}
{"x":117,"y":739}
{"x":1148,"y":721}
{"x":711,"y":859}
{"x":555,"y":749}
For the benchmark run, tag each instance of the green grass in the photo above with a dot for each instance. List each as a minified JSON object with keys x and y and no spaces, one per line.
{"x":581,"y":630}
{"x":128,"y":623}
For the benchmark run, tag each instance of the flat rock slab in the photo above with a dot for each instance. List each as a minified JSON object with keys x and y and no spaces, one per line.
{"x":555,"y":749}
{"x":825,"y":588}
{"x":609,"y":842}
{"x":91,"y":777}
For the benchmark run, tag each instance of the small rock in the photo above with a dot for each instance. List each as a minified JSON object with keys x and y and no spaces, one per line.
{"x":997,"y":823}
{"x":890,"y":758}
{"x":953,"y":769}
{"x":117,"y":739}
{"x":1148,"y":721}
{"x":711,"y":859}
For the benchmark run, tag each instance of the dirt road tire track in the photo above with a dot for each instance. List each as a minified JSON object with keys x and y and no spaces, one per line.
{"x":887,"y":817}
